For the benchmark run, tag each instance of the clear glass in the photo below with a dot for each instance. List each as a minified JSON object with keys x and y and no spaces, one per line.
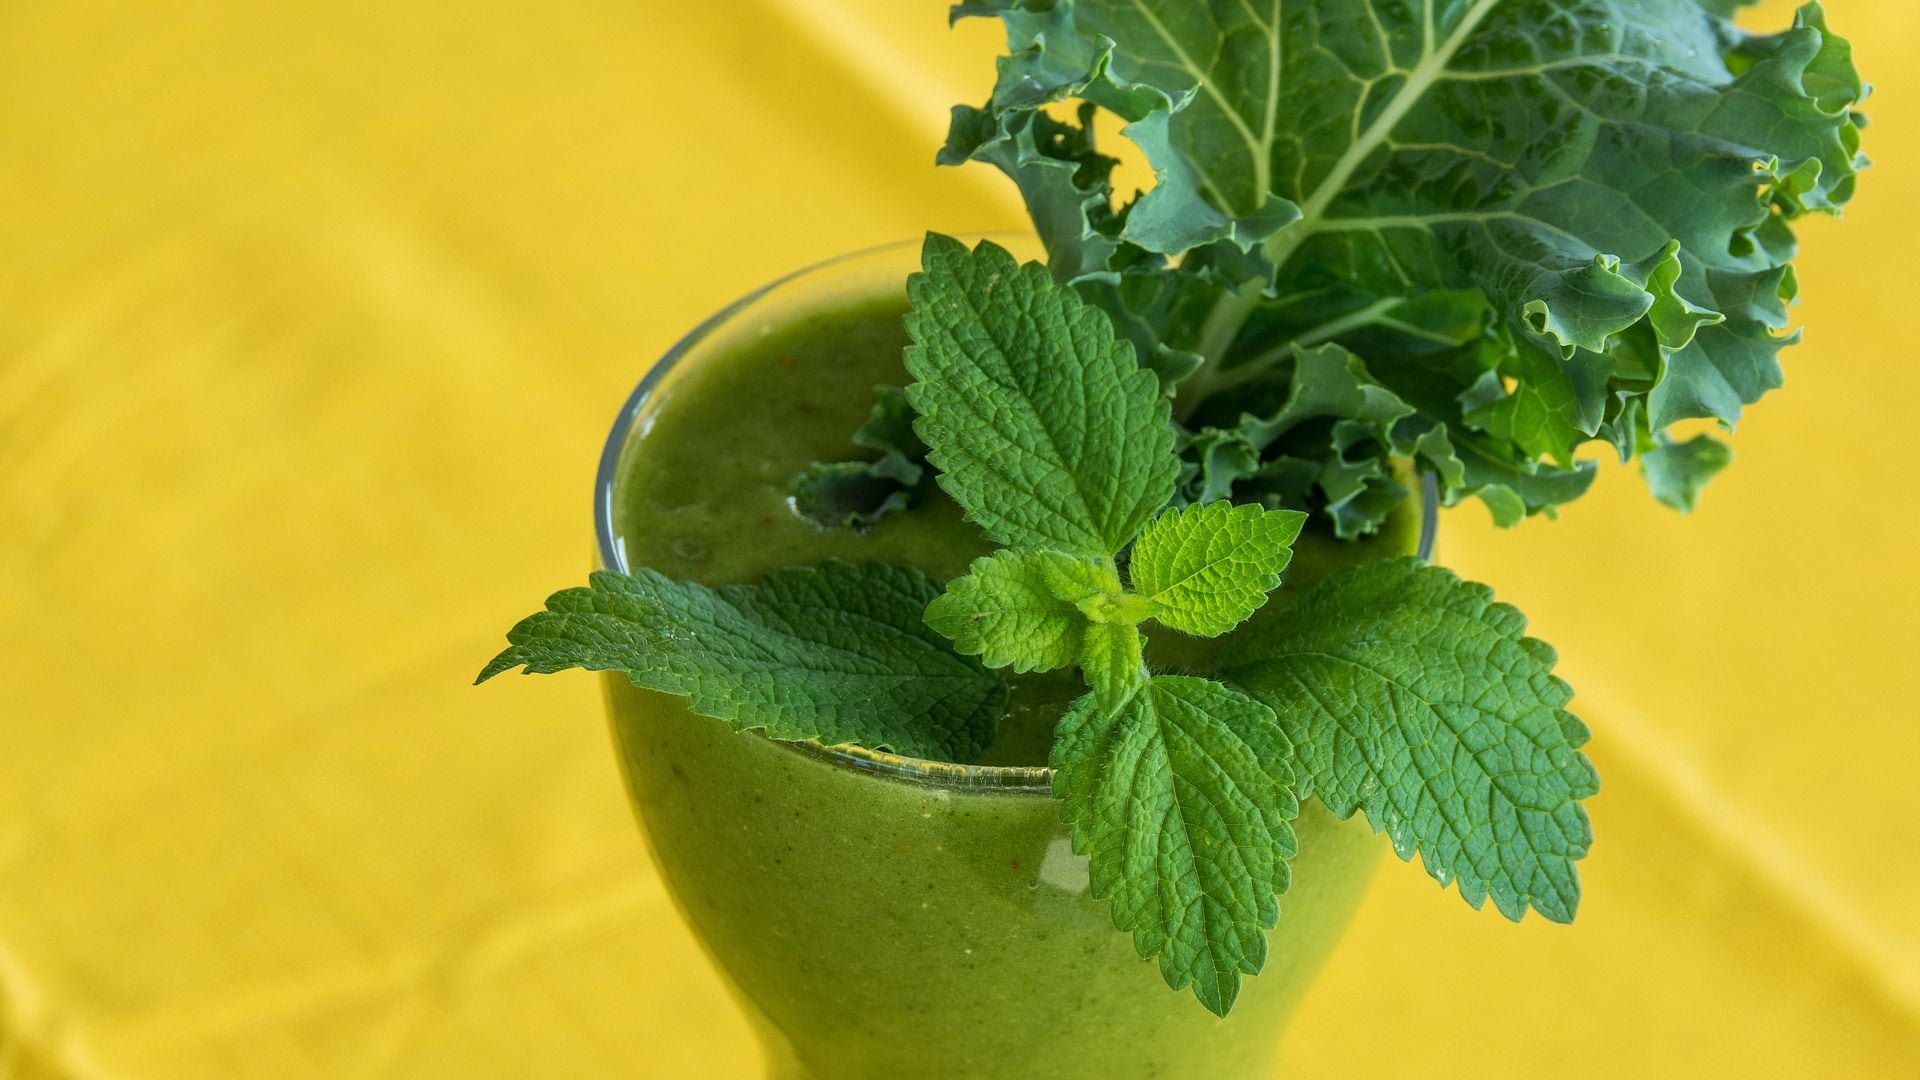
{"x":882,"y":916}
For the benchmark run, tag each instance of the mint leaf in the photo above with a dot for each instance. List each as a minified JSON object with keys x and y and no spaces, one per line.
{"x":1411,"y":695}
{"x":1205,"y":569}
{"x":837,"y":653}
{"x":1044,"y":428}
{"x":1180,"y":799}
{"x":1676,"y":471}
{"x":1020,"y":609}
{"x":1113,"y":660}
{"x":1604,"y":195}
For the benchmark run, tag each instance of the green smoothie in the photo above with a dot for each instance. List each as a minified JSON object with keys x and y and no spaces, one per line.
{"x":884,"y":918}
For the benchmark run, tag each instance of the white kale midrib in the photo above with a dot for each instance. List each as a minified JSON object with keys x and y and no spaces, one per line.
{"x":1420,"y":80}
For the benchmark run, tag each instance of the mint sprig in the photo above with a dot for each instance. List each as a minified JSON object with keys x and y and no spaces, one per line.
{"x":1411,"y":694}
{"x":1393,"y":689}
{"x":837,"y":653}
{"x":1177,"y":788}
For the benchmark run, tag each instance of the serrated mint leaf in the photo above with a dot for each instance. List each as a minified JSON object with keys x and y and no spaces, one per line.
{"x":1205,"y":569}
{"x":837,"y":653}
{"x":1676,"y":471}
{"x":1043,"y":426}
{"x":1082,"y":581}
{"x":1179,"y":797}
{"x":1021,"y":609}
{"x":1412,"y":696}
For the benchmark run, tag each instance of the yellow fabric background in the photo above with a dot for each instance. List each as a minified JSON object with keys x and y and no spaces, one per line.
{"x":312,"y":318}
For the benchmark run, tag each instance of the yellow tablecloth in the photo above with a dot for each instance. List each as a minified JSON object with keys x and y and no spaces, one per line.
{"x":312,"y":317}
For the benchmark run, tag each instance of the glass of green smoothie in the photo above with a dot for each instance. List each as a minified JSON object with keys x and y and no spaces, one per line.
{"x":1004,"y":647}
{"x":879,"y":915}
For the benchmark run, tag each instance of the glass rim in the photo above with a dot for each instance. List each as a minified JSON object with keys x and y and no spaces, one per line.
{"x":1036,"y":779}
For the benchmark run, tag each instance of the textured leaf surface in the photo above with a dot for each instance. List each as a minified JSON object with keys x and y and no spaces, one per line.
{"x":1205,"y":569}
{"x":837,"y":653}
{"x":1600,"y":192}
{"x":1043,"y":426}
{"x":1322,"y":431}
{"x":1114,"y":661}
{"x":1411,"y":695}
{"x":1021,"y":609}
{"x":1179,"y":798}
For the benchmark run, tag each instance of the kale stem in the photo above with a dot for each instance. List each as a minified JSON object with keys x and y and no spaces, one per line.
{"x":1217,"y":333}
{"x":1223,"y":323}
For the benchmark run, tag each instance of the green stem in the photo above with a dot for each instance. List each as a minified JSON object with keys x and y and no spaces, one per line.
{"x":1222,"y":325}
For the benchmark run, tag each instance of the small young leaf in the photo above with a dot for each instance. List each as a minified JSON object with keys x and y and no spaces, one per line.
{"x":1043,"y":426}
{"x":1019,"y":609}
{"x":1411,"y":695}
{"x":1207,"y":568}
{"x":837,"y":653}
{"x":1180,"y":799}
{"x":1113,"y":661}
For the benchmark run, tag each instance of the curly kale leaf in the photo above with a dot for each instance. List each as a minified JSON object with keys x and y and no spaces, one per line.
{"x":857,"y":494}
{"x":1537,"y":222}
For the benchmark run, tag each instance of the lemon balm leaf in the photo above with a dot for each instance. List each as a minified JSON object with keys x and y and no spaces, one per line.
{"x":837,"y":653}
{"x":1412,"y":696}
{"x":1113,"y":661}
{"x":1043,"y":426}
{"x":1206,"y":568}
{"x":1020,"y":609}
{"x":1179,"y":797}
